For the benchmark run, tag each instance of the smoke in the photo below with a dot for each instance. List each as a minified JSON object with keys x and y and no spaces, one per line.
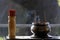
{"x":41,"y":6}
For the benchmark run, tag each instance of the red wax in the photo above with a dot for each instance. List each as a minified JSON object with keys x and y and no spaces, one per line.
{"x":12,"y":12}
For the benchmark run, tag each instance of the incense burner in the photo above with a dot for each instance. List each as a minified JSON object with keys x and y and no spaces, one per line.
{"x":40,"y":29}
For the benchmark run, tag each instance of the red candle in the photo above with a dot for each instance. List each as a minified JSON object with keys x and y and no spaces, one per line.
{"x":12,"y":12}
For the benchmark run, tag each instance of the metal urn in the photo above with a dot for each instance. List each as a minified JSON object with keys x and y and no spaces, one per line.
{"x":40,"y":28}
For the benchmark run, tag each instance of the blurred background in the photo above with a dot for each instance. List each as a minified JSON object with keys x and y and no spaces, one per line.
{"x":25,"y":10}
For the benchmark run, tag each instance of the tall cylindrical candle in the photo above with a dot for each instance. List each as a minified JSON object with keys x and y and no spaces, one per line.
{"x":12,"y":24}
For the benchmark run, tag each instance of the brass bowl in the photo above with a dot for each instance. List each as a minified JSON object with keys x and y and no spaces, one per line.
{"x":40,"y":30}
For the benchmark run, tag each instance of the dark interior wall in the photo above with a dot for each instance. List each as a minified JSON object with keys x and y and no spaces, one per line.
{"x":41,"y":6}
{"x":26,"y":7}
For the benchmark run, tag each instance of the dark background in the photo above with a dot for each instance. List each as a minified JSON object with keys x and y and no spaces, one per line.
{"x":25,"y":10}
